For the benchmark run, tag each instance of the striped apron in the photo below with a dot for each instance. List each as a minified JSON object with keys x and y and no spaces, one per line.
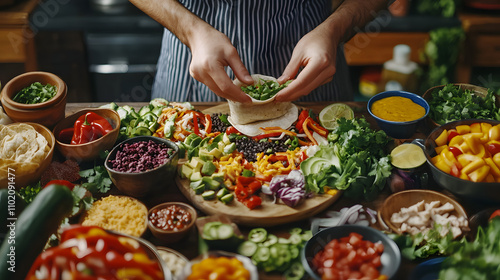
{"x":264,"y":32}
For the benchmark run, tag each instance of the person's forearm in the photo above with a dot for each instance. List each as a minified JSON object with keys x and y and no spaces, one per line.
{"x":350,"y":16}
{"x":173,"y":16}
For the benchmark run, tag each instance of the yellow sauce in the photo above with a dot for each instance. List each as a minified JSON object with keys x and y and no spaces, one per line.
{"x":397,"y":109}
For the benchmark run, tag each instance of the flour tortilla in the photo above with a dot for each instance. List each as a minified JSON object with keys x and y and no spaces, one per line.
{"x":254,"y":129}
{"x":257,"y":110}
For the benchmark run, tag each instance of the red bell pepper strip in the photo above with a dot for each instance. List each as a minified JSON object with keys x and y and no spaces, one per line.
{"x":196,"y":127}
{"x":317,"y":127}
{"x":267,"y":135}
{"x":307,"y":132}
{"x":302,"y":117}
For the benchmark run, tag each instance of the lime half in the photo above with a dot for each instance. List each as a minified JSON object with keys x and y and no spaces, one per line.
{"x":407,"y":156}
{"x":329,"y":115}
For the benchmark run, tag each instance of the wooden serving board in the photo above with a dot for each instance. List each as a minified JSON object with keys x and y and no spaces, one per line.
{"x":268,"y":214}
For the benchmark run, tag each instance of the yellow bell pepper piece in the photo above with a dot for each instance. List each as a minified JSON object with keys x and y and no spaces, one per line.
{"x":472,"y":140}
{"x":464,"y":176}
{"x":473,"y":166}
{"x":496,"y":159}
{"x":442,"y":139}
{"x":479,"y":174}
{"x":494,"y":133}
{"x":463,"y":129}
{"x":440,"y":149}
{"x":456,"y":141}
{"x":485,"y":129}
{"x":464,"y":148}
{"x":489,"y":179}
{"x":441,"y":165}
{"x":475,"y":128}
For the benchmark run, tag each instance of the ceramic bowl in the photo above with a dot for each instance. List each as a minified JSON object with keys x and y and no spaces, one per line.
{"x":151,"y":251}
{"x":172,"y":236}
{"x":391,"y":257}
{"x":477,"y":90}
{"x":88,"y":151}
{"x":25,"y":179}
{"x":468,"y":190}
{"x":47,"y":113}
{"x":143,"y":183}
{"x":395,"y":202}
{"x":247,"y":263}
{"x":174,"y":260}
{"x":399,"y":130}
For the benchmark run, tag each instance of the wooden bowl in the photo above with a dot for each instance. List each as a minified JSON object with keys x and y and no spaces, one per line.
{"x":396,"y":201}
{"x":477,"y":90}
{"x":47,"y":113}
{"x":88,"y":151}
{"x":24,"y":179}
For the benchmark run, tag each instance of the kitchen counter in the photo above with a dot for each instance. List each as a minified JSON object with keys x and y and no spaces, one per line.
{"x":189,"y":246}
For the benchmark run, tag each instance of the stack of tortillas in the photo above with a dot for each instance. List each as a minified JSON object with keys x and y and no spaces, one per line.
{"x":248,"y":118}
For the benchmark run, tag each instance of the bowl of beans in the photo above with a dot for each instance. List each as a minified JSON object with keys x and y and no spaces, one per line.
{"x":170,"y":222}
{"x":142,"y":165}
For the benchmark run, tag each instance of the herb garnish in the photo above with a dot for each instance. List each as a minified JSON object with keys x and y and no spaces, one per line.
{"x":35,"y":93}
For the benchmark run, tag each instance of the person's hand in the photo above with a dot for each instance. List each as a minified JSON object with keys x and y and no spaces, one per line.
{"x":316,"y":54}
{"x":211,"y":52}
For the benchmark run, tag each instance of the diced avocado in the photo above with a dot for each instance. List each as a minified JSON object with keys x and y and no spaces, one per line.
{"x":204,"y":142}
{"x":313,"y":165}
{"x":205,"y":155}
{"x":196,"y":163}
{"x":225,"y":139}
{"x":218,"y":138}
{"x":197,"y":186}
{"x":221,"y":145}
{"x":192,"y":140}
{"x":208,"y":195}
{"x":186,"y":171}
{"x":229,"y":148}
{"x":215,"y":152}
{"x":196,"y":176}
{"x":219,"y":176}
{"x":208,"y":168}
{"x":211,"y":183}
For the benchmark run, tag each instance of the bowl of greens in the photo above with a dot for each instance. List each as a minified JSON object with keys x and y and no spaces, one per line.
{"x":454,"y":102}
{"x":38,"y":97}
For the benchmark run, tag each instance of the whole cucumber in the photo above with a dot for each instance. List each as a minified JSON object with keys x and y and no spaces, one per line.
{"x":29,"y":233}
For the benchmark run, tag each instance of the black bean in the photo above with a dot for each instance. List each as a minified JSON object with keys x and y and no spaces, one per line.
{"x":140,"y":156}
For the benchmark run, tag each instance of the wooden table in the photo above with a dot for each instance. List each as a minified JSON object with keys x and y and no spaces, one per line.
{"x":189,"y":247}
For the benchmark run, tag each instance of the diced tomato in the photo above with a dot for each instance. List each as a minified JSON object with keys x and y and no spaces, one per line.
{"x":252,"y":202}
{"x":376,"y":261}
{"x":355,"y":239}
{"x":494,"y":148}
{"x":240,"y":192}
{"x":245,"y":180}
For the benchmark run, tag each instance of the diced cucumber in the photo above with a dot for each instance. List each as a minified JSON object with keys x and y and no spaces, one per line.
{"x":208,"y":195}
{"x":211,"y":183}
{"x":196,"y":176}
{"x":222,"y":192}
{"x":112,"y":106}
{"x":227,"y":198}
{"x":159,"y":102}
{"x":144,"y":110}
{"x":247,"y":248}
{"x":141,"y":130}
{"x":122,"y":113}
{"x":186,"y":171}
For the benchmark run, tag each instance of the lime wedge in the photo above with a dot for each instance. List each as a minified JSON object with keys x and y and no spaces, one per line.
{"x":407,"y":156}
{"x":329,"y":115}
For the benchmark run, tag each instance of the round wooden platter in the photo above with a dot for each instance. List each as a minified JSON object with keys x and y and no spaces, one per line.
{"x":268,"y":214}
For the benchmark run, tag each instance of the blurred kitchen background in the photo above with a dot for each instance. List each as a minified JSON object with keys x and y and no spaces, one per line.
{"x":106,"y":50}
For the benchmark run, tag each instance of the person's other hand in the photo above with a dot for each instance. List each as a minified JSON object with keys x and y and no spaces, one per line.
{"x":212,"y":51}
{"x":315,"y":53}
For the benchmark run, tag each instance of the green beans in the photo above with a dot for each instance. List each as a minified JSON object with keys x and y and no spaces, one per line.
{"x":264,"y":91}
{"x":35,"y":93}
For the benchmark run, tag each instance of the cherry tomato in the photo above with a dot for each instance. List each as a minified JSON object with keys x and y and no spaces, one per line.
{"x":66,"y":183}
{"x":494,"y":148}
